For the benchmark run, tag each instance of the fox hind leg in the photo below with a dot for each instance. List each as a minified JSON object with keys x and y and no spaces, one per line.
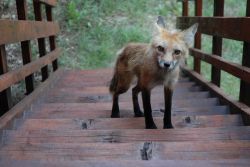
{"x":122,"y":83}
{"x":137,"y":111}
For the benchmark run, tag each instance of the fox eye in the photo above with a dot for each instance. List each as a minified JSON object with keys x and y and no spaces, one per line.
{"x":160,"y":48}
{"x":177,"y":52}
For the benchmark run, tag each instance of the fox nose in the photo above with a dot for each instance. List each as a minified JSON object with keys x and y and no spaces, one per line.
{"x":167,"y":64}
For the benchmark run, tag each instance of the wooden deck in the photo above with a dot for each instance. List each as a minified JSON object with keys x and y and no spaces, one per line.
{"x":70,"y":125}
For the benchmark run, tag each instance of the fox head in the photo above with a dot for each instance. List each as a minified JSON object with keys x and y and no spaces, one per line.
{"x":170,"y":47}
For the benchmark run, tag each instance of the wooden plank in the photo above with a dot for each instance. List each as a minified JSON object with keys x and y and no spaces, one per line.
{"x":25,"y":104}
{"x":224,"y":27}
{"x":128,"y":135}
{"x":127,"y":123}
{"x":14,"y":76}
{"x":184,"y":8}
{"x":52,"y":41}
{"x":103,"y":110}
{"x":126,"y":163}
{"x":129,"y":151}
{"x":236,"y":106}
{"x":217,"y":43}
{"x":245,"y":87}
{"x":14,"y":31}
{"x":5,"y":94}
{"x":197,"y":41}
{"x":51,"y":3}
{"x":222,"y":64}
{"x":25,"y":45}
{"x":41,"y":41}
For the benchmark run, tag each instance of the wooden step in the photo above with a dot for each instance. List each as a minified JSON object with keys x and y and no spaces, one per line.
{"x":102,"y":81}
{"x":126,"y":163}
{"x":128,"y":97}
{"x":103,"y":110}
{"x":155,"y":101}
{"x":211,"y":150}
{"x":105,"y":90}
{"x":126,"y":135}
{"x":127,"y":123}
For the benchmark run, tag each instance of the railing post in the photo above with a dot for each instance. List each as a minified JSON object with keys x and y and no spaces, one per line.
{"x":217,"y":42}
{"x":197,"y":43}
{"x":41,"y":41}
{"x":245,"y":87}
{"x":25,"y":45}
{"x":5,"y":96}
{"x":185,"y":8}
{"x":52,"y":41}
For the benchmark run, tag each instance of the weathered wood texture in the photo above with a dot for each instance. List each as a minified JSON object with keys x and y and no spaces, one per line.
{"x":217,"y":43}
{"x":244,"y":86}
{"x":220,"y":26}
{"x":51,"y":3}
{"x":197,"y":42}
{"x":24,"y":30}
{"x":5,"y":95}
{"x":9,"y":78}
{"x":14,"y":31}
{"x":25,"y":45}
{"x":235,"y":28}
{"x":83,"y":132}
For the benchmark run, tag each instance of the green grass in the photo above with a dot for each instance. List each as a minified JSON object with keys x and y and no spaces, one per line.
{"x":94,"y":30}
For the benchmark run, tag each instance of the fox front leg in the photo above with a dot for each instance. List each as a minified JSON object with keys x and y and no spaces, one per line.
{"x":167,"y":123}
{"x":147,"y":110}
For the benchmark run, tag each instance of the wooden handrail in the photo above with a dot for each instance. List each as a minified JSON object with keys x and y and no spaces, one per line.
{"x":222,"y":64}
{"x":24,"y":30}
{"x":48,"y":2}
{"x":15,"y":31}
{"x":8,"y":79}
{"x":219,"y":27}
{"x":236,"y":28}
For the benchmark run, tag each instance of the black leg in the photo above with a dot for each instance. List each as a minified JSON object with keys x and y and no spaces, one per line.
{"x":147,"y":110}
{"x":115,"y":108}
{"x":136,"y":105}
{"x":168,"y":93}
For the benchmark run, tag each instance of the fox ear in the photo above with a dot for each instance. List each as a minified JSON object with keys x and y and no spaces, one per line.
{"x":160,"y":22}
{"x":189,"y":34}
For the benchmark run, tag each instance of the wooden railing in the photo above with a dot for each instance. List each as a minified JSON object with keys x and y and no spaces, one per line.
{"x":23,"y":31}
{"x":219,"y":27}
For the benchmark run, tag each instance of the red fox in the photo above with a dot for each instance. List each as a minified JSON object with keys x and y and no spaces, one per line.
{"x":152,"y":64}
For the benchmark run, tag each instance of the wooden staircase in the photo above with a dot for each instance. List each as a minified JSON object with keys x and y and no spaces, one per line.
{"x":69,"y":125}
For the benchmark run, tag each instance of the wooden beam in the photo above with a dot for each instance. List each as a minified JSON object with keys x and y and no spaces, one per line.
{"x":12,"y":31}
{"x":41,"y":41}
{"x":237,"y":107}
{"x":224,"y":27}
{"x":245,"y":87}
{"x":14,"y":76}
{"x":25,"y":45}
{"x":7,"y":119}
{"x":5,"y":94}
{"x":235,"y":69}
{"x":51,"y":3}
{"x":184,"y":8}
{"x":52,"y":39}
{"x":217,"y":43}
{"x":197,"y":41}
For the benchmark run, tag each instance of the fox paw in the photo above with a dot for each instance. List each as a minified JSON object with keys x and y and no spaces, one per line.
{"x":139,"y":114}
{"x":169,"y":126}
{"x":115,"y":115}
{"x":151,"y":126}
